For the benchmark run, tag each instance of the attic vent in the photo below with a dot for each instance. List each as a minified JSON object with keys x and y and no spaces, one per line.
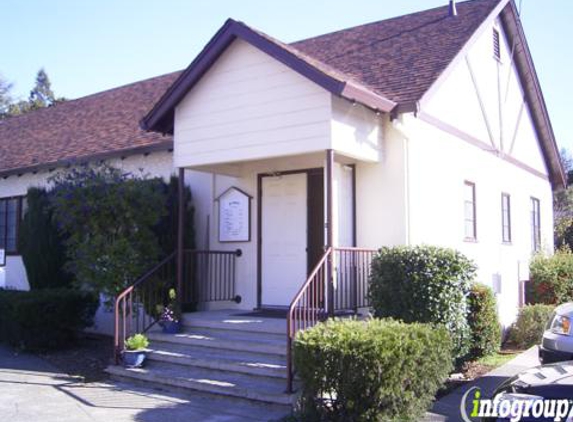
{"x":496,"y":48}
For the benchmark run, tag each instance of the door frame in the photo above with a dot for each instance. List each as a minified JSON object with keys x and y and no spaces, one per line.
{"x":260,"y":177}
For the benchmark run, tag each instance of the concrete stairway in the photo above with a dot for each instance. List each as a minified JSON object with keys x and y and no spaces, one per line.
{"x":220,"y":353}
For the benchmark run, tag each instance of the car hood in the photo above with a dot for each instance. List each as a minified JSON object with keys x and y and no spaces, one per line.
{"x":553,"y":381}
{"x":565,"y":310}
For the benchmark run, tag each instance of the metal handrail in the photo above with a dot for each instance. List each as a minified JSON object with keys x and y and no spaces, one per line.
{"x":124,"y":308}
{"x":349,"y":268}
{"x":208,"y":275}
{"x":310,"y":313}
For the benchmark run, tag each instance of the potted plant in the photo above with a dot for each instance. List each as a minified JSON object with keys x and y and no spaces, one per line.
{"x":135,"y":351}
{"x":170,"y":316}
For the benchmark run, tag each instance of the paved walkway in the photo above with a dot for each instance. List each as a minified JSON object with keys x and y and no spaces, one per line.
{"x":448,"y":407}
{"x":31,"y":390}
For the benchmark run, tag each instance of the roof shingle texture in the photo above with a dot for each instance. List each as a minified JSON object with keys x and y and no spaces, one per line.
{"x":398,"y":58}
{"x":97,"y":124}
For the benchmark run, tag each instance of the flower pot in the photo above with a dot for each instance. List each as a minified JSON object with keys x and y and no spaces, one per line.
{"x":134,"y":358}
{"x":171,"y":327}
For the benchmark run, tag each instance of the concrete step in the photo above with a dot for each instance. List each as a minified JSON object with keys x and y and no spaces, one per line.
{"x":219,"y":339}
{"x":226,"y":321}
{"x":219,"y":359}
{"x":262,"y":389}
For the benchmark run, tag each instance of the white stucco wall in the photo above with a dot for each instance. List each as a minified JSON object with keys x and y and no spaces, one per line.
{"x":493,"y":145}
{"x":381,"y":200}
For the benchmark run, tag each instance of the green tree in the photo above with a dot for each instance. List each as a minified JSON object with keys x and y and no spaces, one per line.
{"x":563,"y":206}
{"x":5,"y":97}
{"x":107,"y":217}
{"x":40,"y":96}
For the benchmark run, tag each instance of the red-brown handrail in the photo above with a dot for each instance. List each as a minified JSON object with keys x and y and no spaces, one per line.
{"x":348,"y":270}
{"x":208,"y":276}
{"x":134,"y":307}
{"x":307,"y":308}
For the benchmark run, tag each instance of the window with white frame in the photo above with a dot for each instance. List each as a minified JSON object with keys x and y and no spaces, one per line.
{"x":505,"y":218}
{"x":535,"y":225}
{"x":470,"y":227}
{"x":10,"y":215}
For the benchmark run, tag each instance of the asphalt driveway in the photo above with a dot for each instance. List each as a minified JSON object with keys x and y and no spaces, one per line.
{"x":32,"y":390}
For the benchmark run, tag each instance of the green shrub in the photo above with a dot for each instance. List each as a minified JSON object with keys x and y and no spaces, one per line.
{"x":41,"y":244}
{"x":551,"y":278}
{"x":531,"y":321}
{"x":44,"y":319}
{"x":108,"y":217}
{"x":376,"y":370}
{"x":424,"y":284}
{"x":484,"y":322}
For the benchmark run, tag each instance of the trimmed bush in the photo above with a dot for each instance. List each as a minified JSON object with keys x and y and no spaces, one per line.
{"x":484,"y":322}
{"x":44,"y":319}
{"x":376,"y":370}
{"x":424,"y":284}
{"x":551,"y":278}
{"x":41,"y":244}
{"x":531,"y":321}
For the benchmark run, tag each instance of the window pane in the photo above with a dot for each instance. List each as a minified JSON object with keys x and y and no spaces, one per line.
{"x":12,"y":220}
{"x":470,"y":233}
{"x":535,"y":225}
{"x":506,"y":218}
{"x":469,"y":210}
{"x":2,"y":223}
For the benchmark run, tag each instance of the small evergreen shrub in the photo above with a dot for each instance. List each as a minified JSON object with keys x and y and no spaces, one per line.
{"x":44,"y":319}
{"x":551,"y":278}
{"x":376,"y":370}
{"x":531,"y":322}
{"x":424,"y":284}
{"x":41,"y":244}
{"x":484,"y":322}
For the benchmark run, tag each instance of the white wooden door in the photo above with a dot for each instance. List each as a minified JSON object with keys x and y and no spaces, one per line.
{"x":284,"y":238}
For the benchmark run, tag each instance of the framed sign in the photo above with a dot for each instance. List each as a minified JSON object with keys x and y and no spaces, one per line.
{"x":2,"y":257}
{"x":234,"y":216}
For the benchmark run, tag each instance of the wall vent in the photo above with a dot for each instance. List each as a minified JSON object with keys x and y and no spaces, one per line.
{"x":496,"y":47}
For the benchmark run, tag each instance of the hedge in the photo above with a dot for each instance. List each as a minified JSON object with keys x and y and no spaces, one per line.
{"x":483,"y":321}
{"x":41,"y":244}
{"x":44,"y":319}
{"x":424,"y":284}
{"x":530,"y":325}
{"x":551,"y":279}
{"x":376,"y":370}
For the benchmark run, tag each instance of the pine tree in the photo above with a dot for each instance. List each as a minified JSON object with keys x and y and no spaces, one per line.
{"x":41,"y":95}
{"x":5,"y":98}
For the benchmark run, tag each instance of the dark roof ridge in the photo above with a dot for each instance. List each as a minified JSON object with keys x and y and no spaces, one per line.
{"x":397,"y":17}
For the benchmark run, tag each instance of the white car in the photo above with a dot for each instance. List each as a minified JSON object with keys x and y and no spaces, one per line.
{"x":557,"y":342}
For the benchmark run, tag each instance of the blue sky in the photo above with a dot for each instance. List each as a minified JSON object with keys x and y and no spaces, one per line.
{"x":90,"y":45}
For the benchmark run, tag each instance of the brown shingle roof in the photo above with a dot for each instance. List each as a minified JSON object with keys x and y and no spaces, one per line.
{"x":402,"y":57}
{"x":398,"y":59}
{"x":98,"y":124}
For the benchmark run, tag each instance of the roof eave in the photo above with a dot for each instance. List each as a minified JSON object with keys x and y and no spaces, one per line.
{"x":160,"y":118}
{"x":67,"y":162}
{"x":534,"y":97}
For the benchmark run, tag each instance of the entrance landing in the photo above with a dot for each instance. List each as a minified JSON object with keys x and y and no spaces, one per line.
{"x":236,"y":319}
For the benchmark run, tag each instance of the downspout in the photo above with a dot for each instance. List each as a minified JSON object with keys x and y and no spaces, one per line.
{"x":398,"y":125}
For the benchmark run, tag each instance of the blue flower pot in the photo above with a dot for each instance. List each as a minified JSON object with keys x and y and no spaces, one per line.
{"x":134,"y":358}
{"x":171,"y":327}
